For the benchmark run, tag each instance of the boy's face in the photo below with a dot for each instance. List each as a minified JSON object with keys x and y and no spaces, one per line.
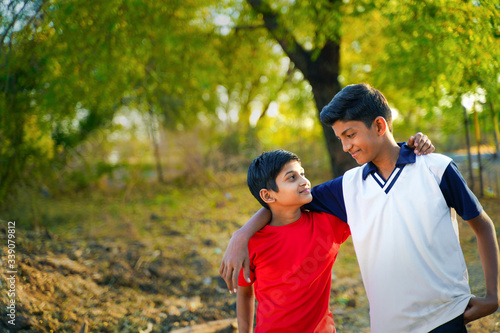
{"x":357,"y":139}
{"x":294,"y":189}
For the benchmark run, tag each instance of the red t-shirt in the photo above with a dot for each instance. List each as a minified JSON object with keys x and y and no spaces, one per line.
{"x":291,"y":267}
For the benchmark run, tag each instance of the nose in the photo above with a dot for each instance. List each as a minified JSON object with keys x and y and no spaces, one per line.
{"x":304,"y":181}
{"x":346,"y":146}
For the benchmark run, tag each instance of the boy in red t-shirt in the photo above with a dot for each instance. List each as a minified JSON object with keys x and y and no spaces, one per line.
{"x":291,"y":258}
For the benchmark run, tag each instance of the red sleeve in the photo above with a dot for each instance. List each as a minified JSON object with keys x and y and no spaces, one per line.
{"x":341,"y":229}
{"x":347,"y":232}
{"x":241,"y":279}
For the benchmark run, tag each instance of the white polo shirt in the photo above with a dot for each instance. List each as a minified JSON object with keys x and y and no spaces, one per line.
{"x":405,"y":238}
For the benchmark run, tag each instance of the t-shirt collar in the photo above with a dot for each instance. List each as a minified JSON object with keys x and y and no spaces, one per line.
{"x":406,"y":156}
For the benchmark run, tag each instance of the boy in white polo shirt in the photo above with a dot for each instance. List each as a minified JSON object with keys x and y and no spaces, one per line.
{"x":398,"y":205}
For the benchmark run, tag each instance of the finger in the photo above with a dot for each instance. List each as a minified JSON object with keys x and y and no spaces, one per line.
{"x":418,"y":138}
{"x":428,"y":148}
{"x":222,"y":268}
{"x":234,"y":286}
{"x":424,"y":140}
{"x":246,"y":271}
{"x":469,"y":315}
{"x":423,"y":145}
{"x":411,"y":141}
{"x":228,"y":277}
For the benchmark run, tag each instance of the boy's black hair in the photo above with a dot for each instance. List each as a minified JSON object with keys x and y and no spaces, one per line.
{"x":358,"y":102}
{"x":264,"y":169}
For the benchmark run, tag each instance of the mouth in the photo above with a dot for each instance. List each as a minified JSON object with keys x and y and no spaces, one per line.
{"x":355,"y":154}
{"x":305,"y":191}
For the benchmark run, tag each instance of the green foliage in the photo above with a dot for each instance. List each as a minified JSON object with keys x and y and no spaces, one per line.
{"x":70,"y":67}
{"x":424,"y":55}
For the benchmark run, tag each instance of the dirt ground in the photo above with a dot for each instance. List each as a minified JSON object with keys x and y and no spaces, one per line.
{"x":66,"y":283}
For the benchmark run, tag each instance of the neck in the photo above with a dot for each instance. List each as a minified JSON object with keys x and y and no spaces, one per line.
{"x":387,"y":158}
{"x":284,"y":216}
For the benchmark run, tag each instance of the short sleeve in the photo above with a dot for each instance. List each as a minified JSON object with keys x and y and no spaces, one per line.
{"x":458,"y":195}
{"x":340,"y":229}
{"x":241,"y":279}
{"x":329,"y":198}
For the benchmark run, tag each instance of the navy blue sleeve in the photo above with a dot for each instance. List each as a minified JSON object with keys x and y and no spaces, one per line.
{"x":329,"y":198}
{"x":458,"y":195}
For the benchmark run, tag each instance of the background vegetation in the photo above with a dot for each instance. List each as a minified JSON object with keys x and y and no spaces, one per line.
{"x":126,"y":127}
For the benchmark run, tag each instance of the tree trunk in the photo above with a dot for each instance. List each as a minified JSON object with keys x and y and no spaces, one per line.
{"x":12,"y":133}
{"x":478,"y":143}
{"x":322,"y":75}
{"x":321,"y":72}
{"x":469,"y":157}
{"x":154,"y":132}
{"x":496,"y":130}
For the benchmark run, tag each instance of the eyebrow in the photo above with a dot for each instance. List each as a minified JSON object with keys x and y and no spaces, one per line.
{"x":346,"y":131}
{"x":291,"y":171}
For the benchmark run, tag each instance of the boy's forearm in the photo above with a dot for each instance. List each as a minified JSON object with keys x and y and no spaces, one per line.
{"x":236,"y":256}
{"x":489,"y":253}
{"x":245,"y":304}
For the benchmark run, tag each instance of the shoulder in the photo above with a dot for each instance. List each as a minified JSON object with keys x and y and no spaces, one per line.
{"x":258,"y":237}
{"x":436,"y":163}
{"x":331,"y":225}
{"x":329,"y":185}
{"x":326,"y":218}
{"x":435,"y":158}
{"x":316,"y":216}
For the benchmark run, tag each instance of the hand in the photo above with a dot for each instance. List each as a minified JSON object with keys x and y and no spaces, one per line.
{"x":234,"y":259}
{"x":421,"y":143}
{"x":479,"y":307}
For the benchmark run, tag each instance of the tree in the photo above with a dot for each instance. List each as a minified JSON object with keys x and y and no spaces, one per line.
{"x":19,"y":77}
{"x":440,"y":51}
{"x":309,"y":34}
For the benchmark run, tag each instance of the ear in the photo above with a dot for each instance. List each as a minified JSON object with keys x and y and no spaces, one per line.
{"x":380,"y":125}
{"x":266,"y":196}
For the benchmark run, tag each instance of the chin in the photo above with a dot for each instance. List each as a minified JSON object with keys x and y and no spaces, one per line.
{"x":360,"y":160}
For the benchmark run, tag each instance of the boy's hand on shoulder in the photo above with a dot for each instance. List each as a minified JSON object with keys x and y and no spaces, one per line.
{"x":480,"y":307}
{"x":421,"y":143}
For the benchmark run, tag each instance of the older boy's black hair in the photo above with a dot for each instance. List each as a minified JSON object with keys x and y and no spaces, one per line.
{"x":264,"y":169}
{"x":358,"y":102}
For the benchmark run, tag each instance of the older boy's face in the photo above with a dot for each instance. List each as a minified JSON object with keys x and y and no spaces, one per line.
{"x":357,"y":139}
{"x":294,"y":189}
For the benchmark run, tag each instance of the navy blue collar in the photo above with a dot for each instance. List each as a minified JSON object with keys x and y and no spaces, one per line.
{"x":406,"y":156}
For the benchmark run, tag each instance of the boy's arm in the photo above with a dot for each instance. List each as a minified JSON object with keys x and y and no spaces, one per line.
{"x":488,"y":251}
{"x":236,"y":255}
{"x":245,"y":305}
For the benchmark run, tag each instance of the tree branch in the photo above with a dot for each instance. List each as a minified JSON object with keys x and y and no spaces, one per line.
{"x":284,"y":37}
{"x":17,"y":16}
{"x":14,"y":20}
{"x":249,"y":27}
